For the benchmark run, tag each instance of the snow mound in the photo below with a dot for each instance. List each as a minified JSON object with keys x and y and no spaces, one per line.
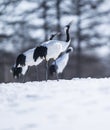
{"x":78,"y":104}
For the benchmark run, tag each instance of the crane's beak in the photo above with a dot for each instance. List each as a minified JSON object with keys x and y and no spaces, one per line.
{"x":57,"y":33}
{"x":70,"y":23}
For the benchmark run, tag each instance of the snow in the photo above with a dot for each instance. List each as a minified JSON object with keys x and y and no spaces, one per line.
{"x":77,"y":104}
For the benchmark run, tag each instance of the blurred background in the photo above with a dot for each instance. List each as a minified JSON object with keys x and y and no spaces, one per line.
{"x":24,"y":24}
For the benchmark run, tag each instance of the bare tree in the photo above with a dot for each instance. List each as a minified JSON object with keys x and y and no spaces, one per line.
{"x":58,"y":16}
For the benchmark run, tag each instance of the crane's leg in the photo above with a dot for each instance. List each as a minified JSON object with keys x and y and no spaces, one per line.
{"x":46,"y":70}
{"x":57,"y":76}
{"x":37,"y":76}
{"x":23,"y":79}
{"x":56,"y":71}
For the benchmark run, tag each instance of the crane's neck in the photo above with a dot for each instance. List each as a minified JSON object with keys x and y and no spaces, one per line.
{"x":52,"y":36}
{"x":67,"y":34}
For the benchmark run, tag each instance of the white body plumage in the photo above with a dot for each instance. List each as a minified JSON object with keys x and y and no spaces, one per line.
{"x":29,"y":60}
{"x":61,"y":62}
{"x":54,"y":48}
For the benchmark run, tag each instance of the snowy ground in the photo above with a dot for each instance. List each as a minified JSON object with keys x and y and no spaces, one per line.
{"x":78,"y":104}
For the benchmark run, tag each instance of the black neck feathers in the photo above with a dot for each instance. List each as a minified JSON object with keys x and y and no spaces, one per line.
{"x":67,"y":33}
{"x":52,"y":36}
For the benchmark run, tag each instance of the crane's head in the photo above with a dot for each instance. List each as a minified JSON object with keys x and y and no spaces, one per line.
{"x":68,"y":25}
{"x":69,"y":50}
{"x":16,"y":71}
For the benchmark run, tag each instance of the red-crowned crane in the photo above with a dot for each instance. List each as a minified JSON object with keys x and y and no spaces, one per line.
{"x":60,"y":63}
{"x":25,"y":60}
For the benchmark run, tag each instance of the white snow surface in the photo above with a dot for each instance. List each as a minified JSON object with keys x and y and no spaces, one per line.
{"x":77,"y":104}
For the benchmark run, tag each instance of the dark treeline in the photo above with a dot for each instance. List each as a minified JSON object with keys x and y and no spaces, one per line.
{"x":27,"y":23}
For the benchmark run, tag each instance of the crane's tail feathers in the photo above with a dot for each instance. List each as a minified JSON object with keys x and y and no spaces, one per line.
{"x":40,"y":51}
